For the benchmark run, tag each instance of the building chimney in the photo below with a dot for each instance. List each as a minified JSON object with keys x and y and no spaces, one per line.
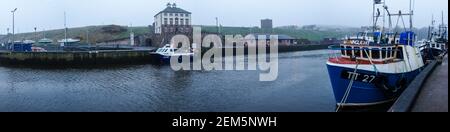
{"x":169,"y":5}
{"x":174,"y":5}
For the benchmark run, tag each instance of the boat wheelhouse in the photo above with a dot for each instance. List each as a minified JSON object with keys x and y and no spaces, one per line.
{"x":437,"y":43}
{"x":367,"y":50}
{"x":163,"y":55}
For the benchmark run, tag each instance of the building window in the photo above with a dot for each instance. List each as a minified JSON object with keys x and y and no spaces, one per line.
{"x":171,"y":21}
{"x":187,"y":21}
{"x":182,"y":15}
{"x":165,"y":21}
{"x":165,"y":14}
{"x":176,"y":14}
{"x":187,"y":15}
{"x":181,"y":21}
{"x":170,"y":14}
{"x":176,"y":21}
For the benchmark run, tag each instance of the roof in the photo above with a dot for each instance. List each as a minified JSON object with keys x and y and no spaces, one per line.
{"x":173,"y":10}
{"x":45,"y":40}
{"x":69,"y":40}
{"x":280,"y":36}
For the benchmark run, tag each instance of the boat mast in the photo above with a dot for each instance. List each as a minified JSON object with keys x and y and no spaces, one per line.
{"x":441,"y":27}
{"x":65,"y":29}
{"x":373,"y":16}
{"x":431,"y":28}
{"x":384,"y":17}
{"x":411,"y":13}
{"x":444,"y":28}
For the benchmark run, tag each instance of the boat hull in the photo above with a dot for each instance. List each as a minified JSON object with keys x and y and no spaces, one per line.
{"x":382,"y":88}
{"x":432,"y":53}
{"x":165,"y":59}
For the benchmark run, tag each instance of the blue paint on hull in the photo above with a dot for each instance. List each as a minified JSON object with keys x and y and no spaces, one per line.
{"x":368,"y":93}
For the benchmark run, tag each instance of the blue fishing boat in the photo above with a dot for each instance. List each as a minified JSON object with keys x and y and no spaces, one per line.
{"x":374,"y":67}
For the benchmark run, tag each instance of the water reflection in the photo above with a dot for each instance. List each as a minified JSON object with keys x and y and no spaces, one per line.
{"x":302,"y":85}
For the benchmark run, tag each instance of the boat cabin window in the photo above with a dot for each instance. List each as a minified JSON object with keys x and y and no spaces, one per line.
{"x":364,"y":52}
{"x":383,"y":53}
{"x":375,"y":53}
{"x":400,"y":53}
{"x":349,"y":51}
{"x":357,"y":52}
{"x":180,"y":45}
{"x":389,"y":52}
{"x":343,"y":50}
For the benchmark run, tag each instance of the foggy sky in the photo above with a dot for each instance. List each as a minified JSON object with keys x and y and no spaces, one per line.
{"x":49,"y":14}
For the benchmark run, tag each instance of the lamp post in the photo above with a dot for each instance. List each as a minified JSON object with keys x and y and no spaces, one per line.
{"x":35,"y":34}
{"x":7,"y":34}
{"x":13,"y":32}
{"x":217,"y":25}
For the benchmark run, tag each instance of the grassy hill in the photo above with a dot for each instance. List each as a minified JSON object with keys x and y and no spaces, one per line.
{"x":96,"y":33}
{"x":314,"y":35}
{"x":114,"y":32}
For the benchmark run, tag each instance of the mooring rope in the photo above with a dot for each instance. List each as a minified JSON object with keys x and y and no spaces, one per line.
{"x":350,"y":85}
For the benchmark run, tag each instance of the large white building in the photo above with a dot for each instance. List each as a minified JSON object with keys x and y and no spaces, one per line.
{"x":173,"y":20}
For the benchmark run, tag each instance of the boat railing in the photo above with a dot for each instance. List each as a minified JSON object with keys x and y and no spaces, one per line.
{"x":376,"y":53}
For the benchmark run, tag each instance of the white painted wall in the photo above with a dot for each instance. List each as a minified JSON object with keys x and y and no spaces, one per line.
{"x":160,"y":20}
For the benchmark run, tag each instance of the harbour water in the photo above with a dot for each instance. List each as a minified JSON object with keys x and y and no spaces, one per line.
{"x":302,"y":86}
